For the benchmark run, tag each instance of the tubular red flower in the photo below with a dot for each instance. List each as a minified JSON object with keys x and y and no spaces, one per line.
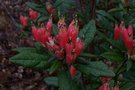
{"x":73,"y":71}
{"x":78,"y":47}
{"x":33,"y":14}
{"x":59,"y":54}
{"x":70,"y":58}
{"x":73,"y":31}
{"x":129,"y":44}
{"x":62,"y":38}
{"x":40,"y":35}
{"x":124,"y":35}
{"x":49,"y":8}
{"x":130,"y":31}
{"x":44,"y":35}
{"x":117,"y":32}
{"x":49,"y":26}
{"x":116,"y":88}
{"x":104,"y":87}
{"x":24,"y":21}
{"x":34,"y":29}
{"x":105,"y":79}
{"x":69,"y":48}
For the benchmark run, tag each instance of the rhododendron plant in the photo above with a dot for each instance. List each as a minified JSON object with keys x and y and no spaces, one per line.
{"x":77,"y":41}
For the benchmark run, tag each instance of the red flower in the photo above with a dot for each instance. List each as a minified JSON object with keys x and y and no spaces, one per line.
{"x":62,"y":38}
{"x":70,"y":58}
{"x":130,"y":31}
{"x":116,"y":88}
{"x":73,"y":31}
{"x":117,"y":32}
{"x":129,"y":43}
{"x":59,"y":54}
{"x":73,"y":71}
{"x":79,"y":46}
{"x":49,"y":26}
{"x":124,"y":35}
{"x":69,"y":48}
{"x":43,"y":35}
{"x":104,"y":87}
{"x":49,"y":8}
{"x":34,"y":33}
{"x":24,"y":21}
{"x":105,"y":79}
{"x":40,"y":35}
{"x":127,"y":36}
{"x":33,"y":14}
{"x":61,"y":24}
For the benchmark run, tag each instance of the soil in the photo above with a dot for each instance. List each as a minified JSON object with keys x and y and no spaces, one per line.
{"x":13,"y":77}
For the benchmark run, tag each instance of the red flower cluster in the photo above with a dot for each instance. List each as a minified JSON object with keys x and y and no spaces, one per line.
{"x":127,"y":34}
{"x":105,"y":83}
{"x":65,"y":45}
{"x":24,"y":19}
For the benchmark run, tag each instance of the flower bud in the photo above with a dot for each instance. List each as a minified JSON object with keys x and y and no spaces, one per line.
{"x":24,"y":21}
{"x":49,"y":26}
{"x":117,"y":32}
{"x":73,"y":71}
{"x":104,"y":87}
{"x":33,"y":14}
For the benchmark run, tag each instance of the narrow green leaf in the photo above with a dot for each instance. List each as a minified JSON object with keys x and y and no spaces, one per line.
{"x":25,"y":49}
{"x":36,"y":7}
{"x":88,"y":55}
{"x":111,"y":41}
{"x":55,"y":66}
{"x":112,"y":56}
{"x":128,"y":86}
{"x":51,"y":81}
{"x":105,"y":14}
{"x":97,"y":68}
{"x":31,"y":60}
{"x":57,"y":3}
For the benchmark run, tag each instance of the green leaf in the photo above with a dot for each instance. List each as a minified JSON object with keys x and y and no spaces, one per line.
{"x":63,"y":6}
{"x":128,"y":86}
{"x":57,"y":3}
{"x":105,"y":23}
{"x":105,"y":14}
{"x":97,"y":68}
{"x":111,"y":41}
{"x":112,"y":56}
{"x":129,"y":65}
{"x":36,"y":7}
{"x":88,"y":32}
{"x":130,"y":75}
{"x":31,"y":60}
{"x":88,"y":55}
{"x":55,"y":66}
{"x":51,"y":81}
{"x":55,"y":29}
{"x":66,"y":83}
{"x":114,"y":10}
{"x":25,"y":49}
{"x":43,"y":18}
